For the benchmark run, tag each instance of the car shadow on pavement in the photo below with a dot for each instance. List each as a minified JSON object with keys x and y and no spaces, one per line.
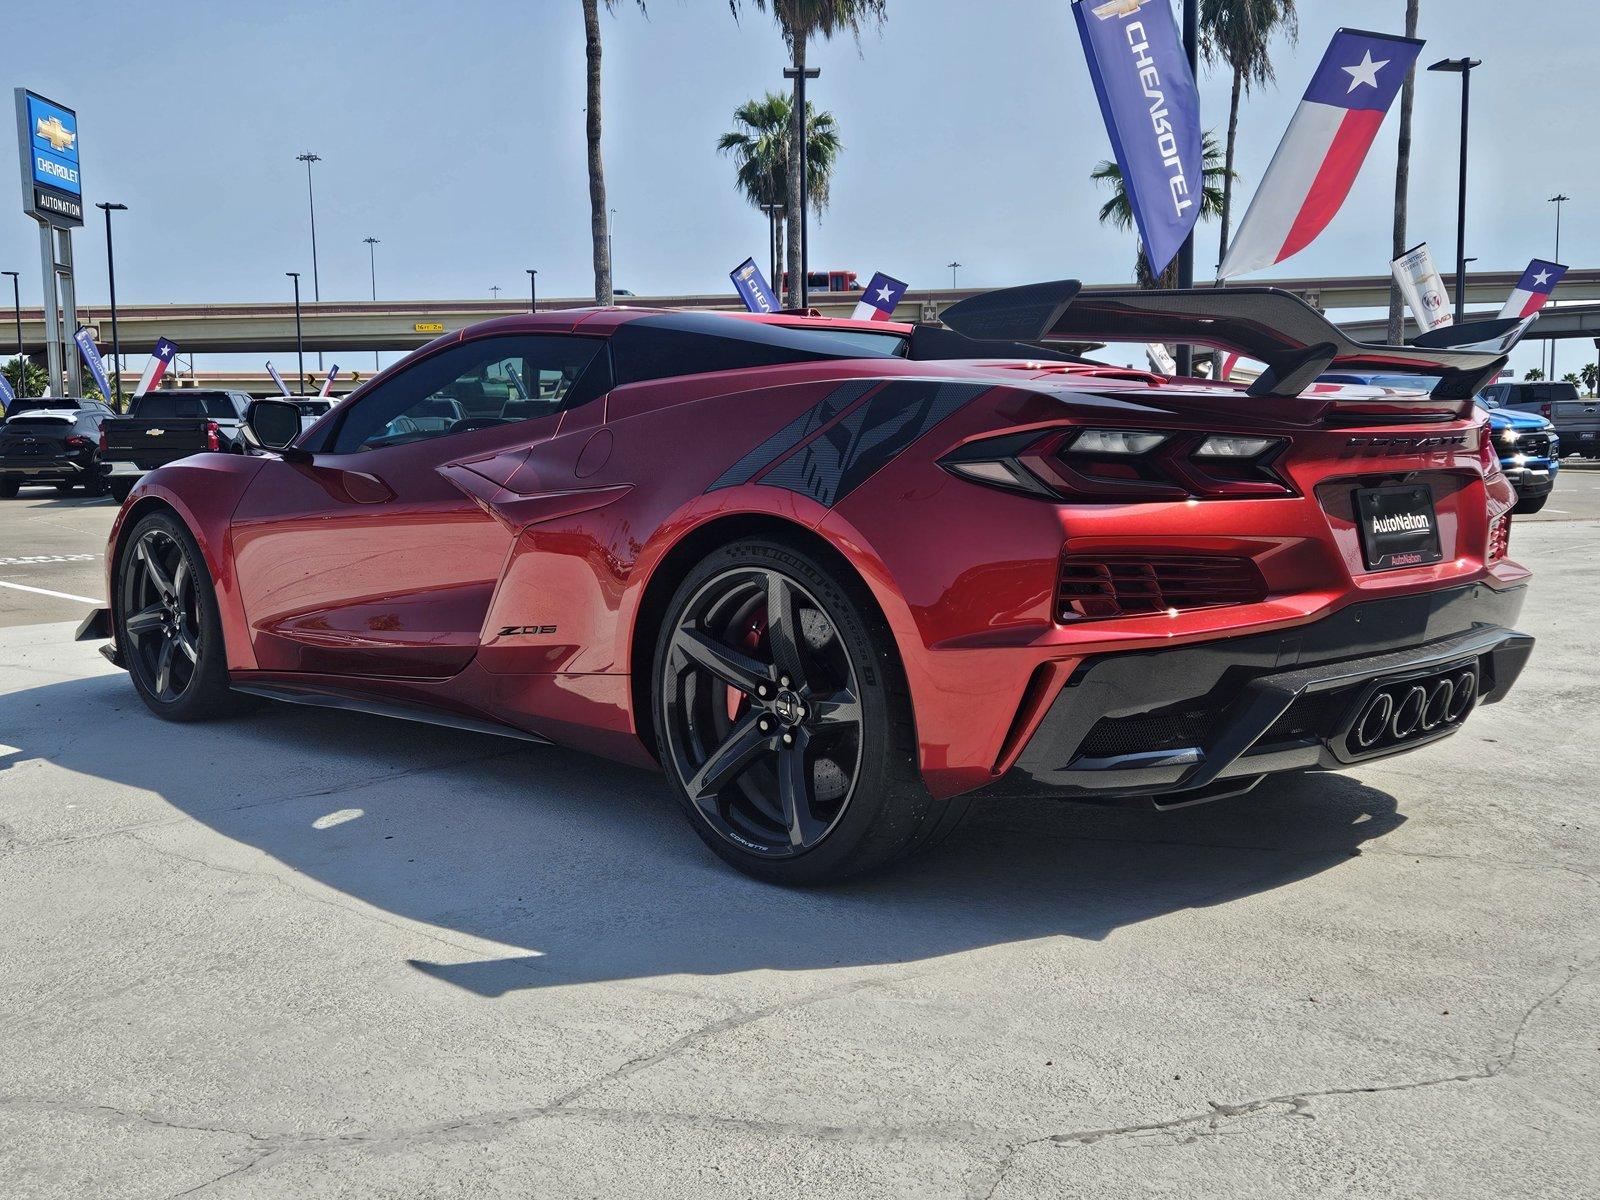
{"x":580,"y":870}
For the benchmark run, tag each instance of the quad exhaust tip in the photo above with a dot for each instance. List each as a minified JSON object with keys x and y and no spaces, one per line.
{"x":1404,"y":712}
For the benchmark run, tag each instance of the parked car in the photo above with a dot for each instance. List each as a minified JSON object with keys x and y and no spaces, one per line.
{"x":1576,"y":419}
{"x":842,"y":579}
{"x":1527,"y":444}
{"x":55,"y":441}
{"x":164,"y":426}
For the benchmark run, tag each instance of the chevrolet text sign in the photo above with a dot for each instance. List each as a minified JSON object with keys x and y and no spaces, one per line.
{"x":47,"y":135}
{"x":1152,"y":112}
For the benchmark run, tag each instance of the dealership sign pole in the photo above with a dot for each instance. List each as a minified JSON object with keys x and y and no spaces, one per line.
{"x":52,"y":194}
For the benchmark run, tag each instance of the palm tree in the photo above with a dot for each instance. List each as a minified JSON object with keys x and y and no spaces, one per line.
{"x":1118,"y":210}
{"x":1402,"y":183}
{"x":27,"y":378}
{"x":1534,"y":375}
{"x":1239,"y":33}
{"x":598,"y":220}
{"x":759,"y":144}
{"x":800,"y":20}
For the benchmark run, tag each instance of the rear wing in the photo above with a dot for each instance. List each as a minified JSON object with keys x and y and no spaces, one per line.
{"x":1295,"y":341}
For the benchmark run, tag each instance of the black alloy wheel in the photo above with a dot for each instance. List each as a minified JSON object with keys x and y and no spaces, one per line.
{"x":782,"y":720}
{"x":168,"y":629}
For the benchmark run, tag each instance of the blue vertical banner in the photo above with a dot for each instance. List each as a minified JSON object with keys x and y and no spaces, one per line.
{"x":96,"y":365}
{"x":752,"y":287}
{"x":1152,"y":112}
{"x":6,"y":394}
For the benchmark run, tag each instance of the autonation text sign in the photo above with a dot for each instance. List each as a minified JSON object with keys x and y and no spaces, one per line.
{"x":47,"y":134}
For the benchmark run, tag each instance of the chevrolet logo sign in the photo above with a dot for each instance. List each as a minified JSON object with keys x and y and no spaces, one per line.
{"x":1119,"y":8}
{"x":155,"y":433}
{"x":53,"y":131}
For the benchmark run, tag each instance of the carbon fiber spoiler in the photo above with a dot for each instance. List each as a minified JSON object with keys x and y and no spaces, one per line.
{"x":1295,"y":341}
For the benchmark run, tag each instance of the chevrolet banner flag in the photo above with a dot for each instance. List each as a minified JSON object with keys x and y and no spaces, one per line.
{"x":92,"y":360}
{"x":277,"y":379}
{"x":752,"y":287}
{"x":1152,"y":112}
{"x":327,"y":384}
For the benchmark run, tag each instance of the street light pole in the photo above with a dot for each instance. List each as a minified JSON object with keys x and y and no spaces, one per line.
{"x":1558,"y":200}
{"x":800,"y":77}
{"x":954,"y":266}
{"x":372,"y":269}
{"x":772,"y":211}
{"x":494,"y":290}
{"x":1191,"y":50}
{"x":111,"y":273}
{"x":16,"y":304}
{"x":299,"y":341}
{"x":1462,"y":67}
{"x":533,"y":289}
{"x":316,"y":286}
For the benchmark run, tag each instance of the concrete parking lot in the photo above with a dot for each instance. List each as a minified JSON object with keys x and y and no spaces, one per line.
{"x":310,"y":953}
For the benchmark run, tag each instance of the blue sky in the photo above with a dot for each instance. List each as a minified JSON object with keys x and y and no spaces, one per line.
{"x":454,"y":133}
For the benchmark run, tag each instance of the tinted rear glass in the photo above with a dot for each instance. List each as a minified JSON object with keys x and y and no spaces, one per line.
{"x":35,"y":403}
{"x":164,"y":406}
{"x":696,"y":343}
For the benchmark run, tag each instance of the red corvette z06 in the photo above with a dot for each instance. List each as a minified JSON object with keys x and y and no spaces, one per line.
{"x":839,"y":580}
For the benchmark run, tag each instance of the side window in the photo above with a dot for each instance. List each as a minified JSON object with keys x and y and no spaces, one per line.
{"x":475,"y":385}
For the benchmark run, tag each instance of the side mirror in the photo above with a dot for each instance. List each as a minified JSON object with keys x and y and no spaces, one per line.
{"x":274,"y":425}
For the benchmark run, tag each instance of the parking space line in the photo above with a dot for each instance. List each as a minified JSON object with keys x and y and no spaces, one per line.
{"x":22,"y":587}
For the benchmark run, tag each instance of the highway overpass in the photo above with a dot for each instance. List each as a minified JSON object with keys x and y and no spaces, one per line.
{"x":395,"y":325}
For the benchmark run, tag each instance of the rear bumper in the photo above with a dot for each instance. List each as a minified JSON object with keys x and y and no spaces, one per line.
{"x":1194,"y":723}
{"x":47,"y":468}
{"x":126,"y":470}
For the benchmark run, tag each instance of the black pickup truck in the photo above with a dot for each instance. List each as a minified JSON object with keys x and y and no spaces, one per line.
{"x":164,"y":426}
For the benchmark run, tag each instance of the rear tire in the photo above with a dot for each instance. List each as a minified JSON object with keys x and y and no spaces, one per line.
{"x":789,"y":742}
{"x":9,"y":488}
{"x":97,"y":482}
{"x":1531,"y":505}
{"x":120,"y":488}
{"x":64,"y":488}
{"x":168,"y":628}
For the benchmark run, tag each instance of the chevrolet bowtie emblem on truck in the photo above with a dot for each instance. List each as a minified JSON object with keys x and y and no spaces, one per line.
{"x":1118,"y":8}
{"x":155,"y":433}
{"x":53,"y":131}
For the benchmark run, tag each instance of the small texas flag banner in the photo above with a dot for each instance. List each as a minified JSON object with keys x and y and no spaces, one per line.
{"x":1323,"y":149}
{"x":160,"y":359}
{"x":327,"y":384}
{"x":1533,"y":289}
{"x":878,"y":302}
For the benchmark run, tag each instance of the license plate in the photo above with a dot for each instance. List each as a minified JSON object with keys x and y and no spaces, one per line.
{"x":1398,"y":527}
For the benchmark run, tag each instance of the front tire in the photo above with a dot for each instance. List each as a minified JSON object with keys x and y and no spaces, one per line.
{"x":1530,"y":505}
{"x":783,"y":720}
{"x":168,"y":627}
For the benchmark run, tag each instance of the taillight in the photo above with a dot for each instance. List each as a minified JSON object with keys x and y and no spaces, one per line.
{"x":1499,"y":538}
{"x":1488,"y":452}
{"x":103,"y":446}
{"x":1124,"y":464}
{"x":78,"y":442}
{"x":1546,"y":411}
{"x":213,"y":442}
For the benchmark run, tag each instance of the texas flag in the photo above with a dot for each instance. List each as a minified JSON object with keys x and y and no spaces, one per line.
{"x":1533,"y":289}
{"x":160,"y":359}
{"x":1323,"y":149}
{"x":878,"y":302}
